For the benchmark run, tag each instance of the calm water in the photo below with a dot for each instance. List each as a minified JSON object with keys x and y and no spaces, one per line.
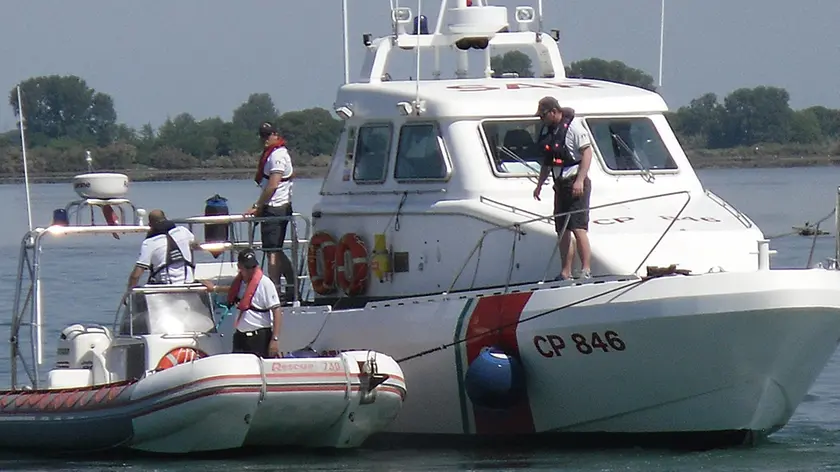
{"x":775,"y":199}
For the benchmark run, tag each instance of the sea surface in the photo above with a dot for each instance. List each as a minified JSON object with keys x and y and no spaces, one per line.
{"x":84,"y":277}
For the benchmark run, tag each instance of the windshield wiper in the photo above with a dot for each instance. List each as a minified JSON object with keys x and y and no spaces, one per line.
{"x":646,"y":173}
{"x":518,"y":159}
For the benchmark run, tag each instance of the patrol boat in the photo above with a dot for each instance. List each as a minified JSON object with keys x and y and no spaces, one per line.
{"x":163,"y":379}
{"x":429,"y":245}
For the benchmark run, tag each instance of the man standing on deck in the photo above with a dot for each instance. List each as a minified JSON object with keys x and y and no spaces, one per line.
{"x":274,"y":176}
{"x":166,"y":253}
{"x":257,"y":327}
{"x":567,"y":155}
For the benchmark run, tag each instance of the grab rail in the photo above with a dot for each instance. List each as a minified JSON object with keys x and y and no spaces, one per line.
{"x":516,"y":228}
{"x":738,"y":214}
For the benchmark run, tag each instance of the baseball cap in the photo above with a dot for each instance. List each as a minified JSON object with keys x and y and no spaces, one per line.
{"x":248,"y":259}
{"x":267,"y":129}
{"x":547,"y":104}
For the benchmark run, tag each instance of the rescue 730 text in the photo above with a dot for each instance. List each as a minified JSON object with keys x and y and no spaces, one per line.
{"x":552,"y":345}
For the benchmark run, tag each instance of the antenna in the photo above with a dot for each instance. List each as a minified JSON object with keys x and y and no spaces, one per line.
{"x":344,"y":32}
{"x":89,"y":161}
{"x":25,"y":166}
{"x":417,"y":78}
{"x":661,"y":39}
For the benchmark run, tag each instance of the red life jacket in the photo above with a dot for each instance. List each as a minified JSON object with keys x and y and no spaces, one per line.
{"x":260,"y":174}
{"x":233,"y":293}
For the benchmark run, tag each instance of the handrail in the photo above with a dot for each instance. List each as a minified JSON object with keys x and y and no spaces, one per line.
{"x":738,"y":214}
{"x":513,"y":209}
{"x":27,"y":299}
{"x":517,"y":225}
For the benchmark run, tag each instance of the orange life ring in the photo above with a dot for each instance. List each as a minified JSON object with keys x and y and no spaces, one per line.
{"x":352,"y":277}
{"x":322,"y":254}
{"x":179,"y":355}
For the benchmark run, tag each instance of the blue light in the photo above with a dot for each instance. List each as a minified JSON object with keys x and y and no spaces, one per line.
{"x":60,"y":217}
{"x":423,"y":24}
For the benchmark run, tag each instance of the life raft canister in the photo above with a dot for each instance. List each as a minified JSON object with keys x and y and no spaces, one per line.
{"x":216,"y":233}
{"x":179,"y":355}
{"x":321,"y":262}
{"x":351,"y":261}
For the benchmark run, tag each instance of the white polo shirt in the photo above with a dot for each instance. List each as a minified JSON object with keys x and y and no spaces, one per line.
{"x":279,"y":162}
{"x":577,"y":139}
{"x":265,"y":298}
{"x":153,"y":255}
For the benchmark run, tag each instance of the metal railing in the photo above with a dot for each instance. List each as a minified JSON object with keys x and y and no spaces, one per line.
{"x":517,"y":231}
{"x":28,"y":307}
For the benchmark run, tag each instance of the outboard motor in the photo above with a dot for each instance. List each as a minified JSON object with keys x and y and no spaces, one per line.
{"x":216,"y":233}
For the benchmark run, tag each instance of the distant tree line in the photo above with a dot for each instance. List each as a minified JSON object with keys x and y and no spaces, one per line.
{"x":64,"y":117}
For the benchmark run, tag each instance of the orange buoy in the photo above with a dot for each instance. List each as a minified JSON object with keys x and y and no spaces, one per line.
{"x":321,"y":260}
{"x":351,"y":261}
{"x":179,"y":355}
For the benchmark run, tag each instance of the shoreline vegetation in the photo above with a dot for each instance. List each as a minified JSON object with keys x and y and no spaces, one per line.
{"x":700,"y":159}
{"x":71,"y":128}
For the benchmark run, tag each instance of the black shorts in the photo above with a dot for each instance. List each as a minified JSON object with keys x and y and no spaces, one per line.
{"x":253,"y":342}
{"x":274,"y":232}
{"x":564,"y":201}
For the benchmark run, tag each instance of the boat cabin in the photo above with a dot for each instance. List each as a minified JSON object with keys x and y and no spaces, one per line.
{"x":436,"y":177}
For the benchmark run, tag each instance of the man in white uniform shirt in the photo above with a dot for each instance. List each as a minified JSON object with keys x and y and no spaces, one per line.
{"x":165,"y":253}
{"x":257,"y":327}
{"x":274,"y":176}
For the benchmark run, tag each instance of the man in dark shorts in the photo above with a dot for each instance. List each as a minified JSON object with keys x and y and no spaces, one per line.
{"x":567,"y":155}
{"x":274,"y":176}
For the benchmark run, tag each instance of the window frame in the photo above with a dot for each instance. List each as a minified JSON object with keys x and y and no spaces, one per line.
{"x":488,"y":152}
{"x":388,"y":153}
{"x":602,"y":162}
{"x":441,"y":147}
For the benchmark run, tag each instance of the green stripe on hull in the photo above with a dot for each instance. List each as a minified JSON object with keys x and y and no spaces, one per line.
{"x":459,"y":365}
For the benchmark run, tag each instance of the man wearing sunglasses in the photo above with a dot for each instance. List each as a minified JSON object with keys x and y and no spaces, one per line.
{"x":274,"y":176}
{"x":567,"y":151}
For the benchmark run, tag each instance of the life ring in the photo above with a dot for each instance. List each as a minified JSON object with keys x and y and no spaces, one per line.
{"x":179,"y":355}
{"x":322,"y":254}
{"x":352,"y":277}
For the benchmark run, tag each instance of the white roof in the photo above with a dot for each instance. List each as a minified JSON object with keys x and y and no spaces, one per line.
{"x":498,"y":97}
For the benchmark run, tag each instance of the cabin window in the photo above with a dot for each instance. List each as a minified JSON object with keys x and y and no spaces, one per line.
{"x":512,"y":146}
{"x":373,"y":146}
{"x":420,"y":153}
{"x":630,"y":144}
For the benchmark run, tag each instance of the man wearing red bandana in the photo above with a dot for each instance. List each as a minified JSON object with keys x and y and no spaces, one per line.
{"x":274,"y":176}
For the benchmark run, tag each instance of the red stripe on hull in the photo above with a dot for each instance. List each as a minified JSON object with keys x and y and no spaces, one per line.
{"x":491,"y":313}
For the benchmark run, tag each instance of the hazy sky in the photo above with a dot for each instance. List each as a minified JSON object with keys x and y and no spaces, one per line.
{"x":159,"y":58}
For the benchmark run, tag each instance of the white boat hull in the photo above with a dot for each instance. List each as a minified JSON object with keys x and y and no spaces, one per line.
{"x":221,"y":402}
{"x":729,"y":355}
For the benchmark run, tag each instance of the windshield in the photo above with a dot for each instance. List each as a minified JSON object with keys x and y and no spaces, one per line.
{"x":623,"y":144}
{"x":168,"y":313}
{"x":630,"y":144}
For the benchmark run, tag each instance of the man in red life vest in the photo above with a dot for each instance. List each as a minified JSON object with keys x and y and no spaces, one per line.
{"x":274,"y":176}
{"x":567,"y":151}
{"x":257,"y":326}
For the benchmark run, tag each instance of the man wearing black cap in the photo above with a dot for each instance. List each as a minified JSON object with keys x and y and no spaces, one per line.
{"x":274,"y":176}
{"x":568,"y":153}
{"x":257,"y":327}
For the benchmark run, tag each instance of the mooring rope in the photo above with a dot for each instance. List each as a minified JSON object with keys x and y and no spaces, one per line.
{"x":540,"y":315}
